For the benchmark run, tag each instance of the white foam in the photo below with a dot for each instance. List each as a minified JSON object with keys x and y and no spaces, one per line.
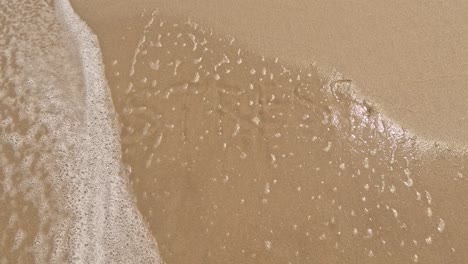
{"x":106,"y":226}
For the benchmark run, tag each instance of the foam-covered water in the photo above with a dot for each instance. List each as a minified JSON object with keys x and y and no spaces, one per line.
{"x":39,"y":80}
{"x":61,"y":147}
{"x":108,"y":227}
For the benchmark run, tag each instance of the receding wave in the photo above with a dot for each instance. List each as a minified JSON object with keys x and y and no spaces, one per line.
{"x":61,"y":162}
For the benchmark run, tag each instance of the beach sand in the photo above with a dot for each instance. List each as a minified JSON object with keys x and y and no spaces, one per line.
{"x":246,"y":132}
{"x":239,"y":157}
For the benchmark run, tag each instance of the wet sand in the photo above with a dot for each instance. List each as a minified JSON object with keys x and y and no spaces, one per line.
{"x":223,"y":142}
{"x":240,"y":157}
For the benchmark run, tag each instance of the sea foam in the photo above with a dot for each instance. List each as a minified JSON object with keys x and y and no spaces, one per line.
{"x":106,"y":225}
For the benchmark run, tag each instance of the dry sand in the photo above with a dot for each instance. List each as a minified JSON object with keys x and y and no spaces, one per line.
{"x":410,"y":58}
